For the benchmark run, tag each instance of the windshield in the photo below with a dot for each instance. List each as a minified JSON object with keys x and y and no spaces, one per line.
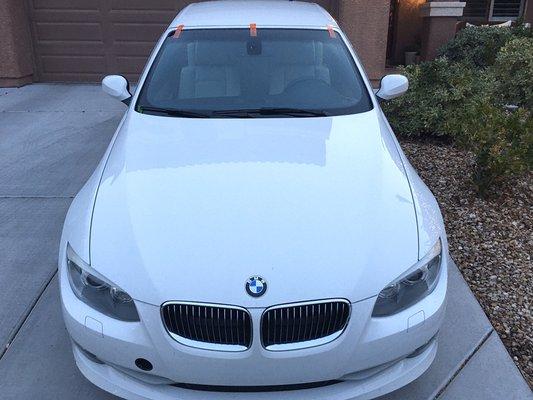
{"x":217,"y":73}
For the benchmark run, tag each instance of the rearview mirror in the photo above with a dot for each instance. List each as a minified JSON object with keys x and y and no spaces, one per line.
{"x":117,"y":87}
{"x":392,"y":86}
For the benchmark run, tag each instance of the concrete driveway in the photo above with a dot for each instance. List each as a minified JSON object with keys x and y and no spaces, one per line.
{"x":51,"y":139}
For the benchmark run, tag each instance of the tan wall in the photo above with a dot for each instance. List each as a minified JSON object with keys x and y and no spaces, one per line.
{"x":16,"y":65}
{"x":528,"y":14}
{"x":366,"y":22}
{"x":439,"y":30}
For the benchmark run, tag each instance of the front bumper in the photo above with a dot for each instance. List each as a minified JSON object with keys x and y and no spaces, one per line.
{"x":367,"y":343}
{"x":126,"y":386}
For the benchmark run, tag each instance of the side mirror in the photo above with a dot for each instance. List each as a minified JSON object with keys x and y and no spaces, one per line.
{"x":392,"y":86}
{"x":117,"y":87}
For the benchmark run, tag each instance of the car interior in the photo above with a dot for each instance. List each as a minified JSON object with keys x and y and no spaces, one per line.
{"x":235,"y":71}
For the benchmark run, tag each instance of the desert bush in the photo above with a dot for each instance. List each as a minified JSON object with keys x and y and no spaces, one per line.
{"x":522,"y":30}
{"x":501,"y":140}
{"x":477,"y":45}
{"x":513,"y":73}
{"x":464,"y":95}
{"x":438,"y":91}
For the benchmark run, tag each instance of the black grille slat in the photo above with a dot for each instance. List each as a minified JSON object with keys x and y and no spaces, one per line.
{"x":188,"y":319}
{"x":303,"y":323}
{"x":209,"y":324}
{"x":330,"y":316}
{"x":192,"y":321}
{"x":309,"y":322}
{"x":206,"y":325}
{"x":175,"y":317}
{"x":318,"y":320}
{"x":231,"y":324}
{"x":334,"y":315}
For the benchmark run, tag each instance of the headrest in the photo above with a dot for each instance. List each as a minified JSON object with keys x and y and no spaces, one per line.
{"x":220,"y":53}
{"x":307,"y":53}
{"x":208,"y":53}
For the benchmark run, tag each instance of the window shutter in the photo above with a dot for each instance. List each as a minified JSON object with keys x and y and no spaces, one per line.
{"x":506,"y":9}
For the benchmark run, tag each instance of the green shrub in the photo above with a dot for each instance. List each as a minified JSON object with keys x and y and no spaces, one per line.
{"x":522,"y":30}
{"x":438,"y":91}
{"x":501,"y":140}
{"x":477,"y":45}
{"x":463,"y":96}
{"x":513,"y":72}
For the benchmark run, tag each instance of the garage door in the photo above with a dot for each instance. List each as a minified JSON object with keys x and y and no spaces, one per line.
{"x":83,"y":40}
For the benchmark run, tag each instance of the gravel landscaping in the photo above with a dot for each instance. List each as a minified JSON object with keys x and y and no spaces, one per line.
{"x":490,"y":240}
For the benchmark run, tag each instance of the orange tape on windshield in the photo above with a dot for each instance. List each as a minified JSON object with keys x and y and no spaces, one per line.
{"x":253,"y":30}
{"x":179,"y":29}
{"x":331,"y":32}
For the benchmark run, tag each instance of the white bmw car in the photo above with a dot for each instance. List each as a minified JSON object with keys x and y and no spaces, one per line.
{"x":254,"y":230}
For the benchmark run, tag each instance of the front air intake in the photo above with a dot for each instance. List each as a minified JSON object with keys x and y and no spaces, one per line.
{"x":303,"y":325}
{"x":224,"y":328}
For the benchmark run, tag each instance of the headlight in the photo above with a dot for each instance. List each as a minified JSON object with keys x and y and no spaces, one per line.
{"x":97,"y":292}
{"x":411,"y":287}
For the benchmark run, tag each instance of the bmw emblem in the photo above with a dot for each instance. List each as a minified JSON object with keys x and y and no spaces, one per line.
{"x":256,"y":286}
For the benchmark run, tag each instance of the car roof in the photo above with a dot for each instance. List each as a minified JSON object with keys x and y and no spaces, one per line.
{"x":273,"y":13}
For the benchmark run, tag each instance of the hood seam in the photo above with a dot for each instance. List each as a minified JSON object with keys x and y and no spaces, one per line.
{"x":403,"y":159}
{"x":104,"y":166}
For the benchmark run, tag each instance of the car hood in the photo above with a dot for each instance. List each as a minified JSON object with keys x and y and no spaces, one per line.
{"x":189,"y":209}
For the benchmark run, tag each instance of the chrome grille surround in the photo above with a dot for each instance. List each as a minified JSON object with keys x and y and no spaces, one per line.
{"x":303,"y":325}
{"x":208,"y":326}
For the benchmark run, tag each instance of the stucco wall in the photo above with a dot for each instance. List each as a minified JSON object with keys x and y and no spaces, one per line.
{"x":528,"y":13}
{"x":16,"y":66}
{"x":366,"y":24}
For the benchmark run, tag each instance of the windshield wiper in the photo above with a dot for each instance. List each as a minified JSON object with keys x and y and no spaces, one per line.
{"x":250,"y":113}
{"x":174,"y":112}
{"x":244,"y":113}
{"x":297,"y":112}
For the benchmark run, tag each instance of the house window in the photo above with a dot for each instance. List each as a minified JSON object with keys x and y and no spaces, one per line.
{"x":493,"y":10}
{"x":506,"y":9}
